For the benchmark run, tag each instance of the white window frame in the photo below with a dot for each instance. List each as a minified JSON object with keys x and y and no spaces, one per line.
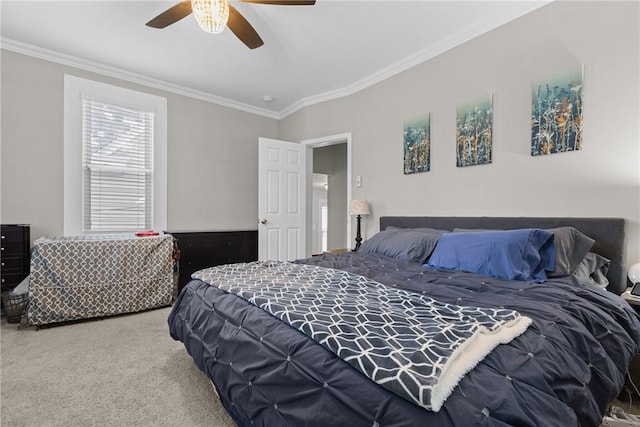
{"x":75,"y":90}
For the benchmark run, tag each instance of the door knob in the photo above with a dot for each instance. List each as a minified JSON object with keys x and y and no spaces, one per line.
{"x":263,"y":221}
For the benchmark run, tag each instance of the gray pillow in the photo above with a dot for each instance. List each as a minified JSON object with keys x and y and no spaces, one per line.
{"x":571,"y":246}
{"x":593,"y":269}
{"x":415,"y":244}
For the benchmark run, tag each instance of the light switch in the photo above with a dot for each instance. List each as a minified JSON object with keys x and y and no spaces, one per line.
{"x":358,"y":181}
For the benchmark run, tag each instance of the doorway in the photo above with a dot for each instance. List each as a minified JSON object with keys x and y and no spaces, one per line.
{"x":330,"y":156}
{"x":331,"y":161}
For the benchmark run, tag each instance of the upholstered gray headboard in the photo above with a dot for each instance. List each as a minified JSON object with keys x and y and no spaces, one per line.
{"x":609,"y":234}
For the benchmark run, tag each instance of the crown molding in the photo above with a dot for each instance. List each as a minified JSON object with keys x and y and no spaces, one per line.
{"x":95,"y":67}
{"x":520,"y":8}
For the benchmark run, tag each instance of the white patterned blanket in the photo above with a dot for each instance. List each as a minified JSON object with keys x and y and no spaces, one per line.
{"x":410,"y":344}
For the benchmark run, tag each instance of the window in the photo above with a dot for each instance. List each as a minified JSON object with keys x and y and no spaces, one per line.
{"x":115,"y":159}
{"x":117,"y":147}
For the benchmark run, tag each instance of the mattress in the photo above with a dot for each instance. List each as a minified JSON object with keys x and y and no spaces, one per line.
{"x":562,"y":370}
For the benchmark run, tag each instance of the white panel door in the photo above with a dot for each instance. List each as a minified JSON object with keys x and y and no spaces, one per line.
{"x":281,"y":200}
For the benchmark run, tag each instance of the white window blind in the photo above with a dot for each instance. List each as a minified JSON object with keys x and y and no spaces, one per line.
{"x":115,"y":159}
{"x":117,"y":167}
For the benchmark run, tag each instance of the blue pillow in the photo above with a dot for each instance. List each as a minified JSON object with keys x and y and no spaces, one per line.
{"x":522,"y":254}
{"x":570,"y":246}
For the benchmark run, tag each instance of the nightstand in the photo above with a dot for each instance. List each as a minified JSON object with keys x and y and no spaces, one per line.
{"x":633,"y":300}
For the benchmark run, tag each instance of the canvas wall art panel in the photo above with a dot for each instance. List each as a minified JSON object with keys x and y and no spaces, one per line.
{"x":417,"y":145}
{"x":556,"y":113}
{"x":474,"y":132}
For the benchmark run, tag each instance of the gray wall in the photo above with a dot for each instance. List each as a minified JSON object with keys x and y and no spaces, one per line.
{"x":212,"y":152}
{"x":212,"y":168}
{"x":603,"y":179}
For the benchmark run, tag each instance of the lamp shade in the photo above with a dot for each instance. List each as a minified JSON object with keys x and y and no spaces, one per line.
{"x":634,"y":273}
{"x":211,"y":15}
{"x":359,"y":207}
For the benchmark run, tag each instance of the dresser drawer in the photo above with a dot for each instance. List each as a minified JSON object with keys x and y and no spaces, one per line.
{"x":11,"y":264}
{"x":11,"y":279}
{"x":12,"y":234}
{"x":11,"y":248}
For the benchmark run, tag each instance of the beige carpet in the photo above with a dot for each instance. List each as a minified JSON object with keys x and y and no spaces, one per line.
{"x":120,"y":371}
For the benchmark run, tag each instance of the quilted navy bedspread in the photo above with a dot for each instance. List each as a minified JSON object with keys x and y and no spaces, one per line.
{"x":563,"y":370}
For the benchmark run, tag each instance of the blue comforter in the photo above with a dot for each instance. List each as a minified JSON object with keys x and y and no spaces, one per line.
{"x":562,"y":371}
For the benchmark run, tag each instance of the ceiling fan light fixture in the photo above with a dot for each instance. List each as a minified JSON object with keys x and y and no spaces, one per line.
{"x":211,"y":15}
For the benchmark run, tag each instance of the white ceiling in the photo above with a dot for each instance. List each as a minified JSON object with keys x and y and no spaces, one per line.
{"x":310,"y":53}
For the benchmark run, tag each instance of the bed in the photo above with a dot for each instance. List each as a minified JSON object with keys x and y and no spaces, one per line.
{"x":550,"y":349}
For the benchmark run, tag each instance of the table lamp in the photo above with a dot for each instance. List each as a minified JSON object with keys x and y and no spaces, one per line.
{"x":358,"y":207}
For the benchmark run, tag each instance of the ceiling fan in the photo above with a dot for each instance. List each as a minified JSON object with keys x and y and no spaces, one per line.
{"x":214,"y":15}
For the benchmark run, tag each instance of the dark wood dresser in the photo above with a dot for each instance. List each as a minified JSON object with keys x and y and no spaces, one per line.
{"x":14,"y":255}
{"x":202,"y":249}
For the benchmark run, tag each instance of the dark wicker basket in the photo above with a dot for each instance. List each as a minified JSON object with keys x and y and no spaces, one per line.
{"x":14,"y":305}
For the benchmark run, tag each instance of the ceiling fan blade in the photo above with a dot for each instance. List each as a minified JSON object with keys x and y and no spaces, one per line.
{"x":242,"y":29}
{"x":283,"y":2}
{"x":171,"y":15}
